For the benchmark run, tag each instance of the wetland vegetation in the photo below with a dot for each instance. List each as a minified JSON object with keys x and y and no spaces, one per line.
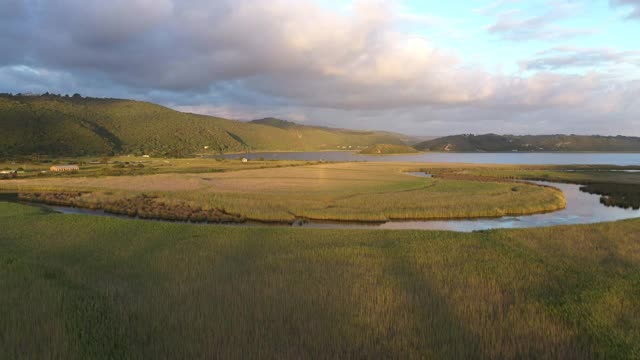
{"x":200,"y":227}
{"x":363,"y":192}
{"x":77,"y":286}
{"x":620,"y":195}
{"x":619,"y":187}
{"x":84,"y":287}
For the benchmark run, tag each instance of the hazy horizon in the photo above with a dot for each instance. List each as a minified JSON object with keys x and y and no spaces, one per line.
{"x":413,"y":67}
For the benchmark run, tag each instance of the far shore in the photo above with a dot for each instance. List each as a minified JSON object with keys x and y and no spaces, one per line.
{"x":427,"y":152}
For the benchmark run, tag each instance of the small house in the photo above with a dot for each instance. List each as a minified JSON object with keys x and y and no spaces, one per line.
{"x":64,"y":168}
{"x":8,"y":174}
{"x":244,"y":160}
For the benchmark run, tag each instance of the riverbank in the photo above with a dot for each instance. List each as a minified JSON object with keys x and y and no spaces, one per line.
{"x":583,"y":207}
{"x":352,"y":192}
{"x":565,"y":159}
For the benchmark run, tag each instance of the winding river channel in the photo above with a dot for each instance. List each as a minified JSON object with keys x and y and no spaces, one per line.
{"x":582,"y":208}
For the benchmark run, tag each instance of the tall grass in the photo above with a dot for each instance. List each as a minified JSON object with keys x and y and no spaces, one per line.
{"x":621,"y":189}
{"x":86,"y":287}
{"x":345,"y":192}
{"x":137,"y":166}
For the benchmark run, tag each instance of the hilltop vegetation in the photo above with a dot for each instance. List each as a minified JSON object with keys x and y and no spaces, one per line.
{"x":279,"y":123}
{"x":388,"y":149}
{"x":77,"y":126}
{"x":530,"y":143}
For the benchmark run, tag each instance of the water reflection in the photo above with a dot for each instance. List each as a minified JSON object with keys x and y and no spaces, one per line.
{"x":582,"y":208}
{"x":620,"y":159}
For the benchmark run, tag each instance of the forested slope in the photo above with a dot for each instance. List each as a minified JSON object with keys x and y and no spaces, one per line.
{"x":75,"y":126}
{"x":531,"y":143}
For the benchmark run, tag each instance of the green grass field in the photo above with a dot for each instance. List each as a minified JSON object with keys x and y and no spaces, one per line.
{"x":576,"y":175}
{"x":136,"y":165}
{"x":335,"y":191}
{"x":80,"y":287}
{"x":618,"y":188}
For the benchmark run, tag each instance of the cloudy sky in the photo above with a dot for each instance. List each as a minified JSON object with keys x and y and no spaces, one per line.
{"x":420,"y":67}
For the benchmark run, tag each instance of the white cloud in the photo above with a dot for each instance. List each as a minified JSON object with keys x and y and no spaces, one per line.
{"x":518,"y":25}
{"x":298,"y":58}
{"x":563,"y":57}
{"x":634,"y":5}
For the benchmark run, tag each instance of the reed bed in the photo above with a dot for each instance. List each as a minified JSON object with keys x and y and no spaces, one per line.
{"x":341,"y":192}
{"x":618,"y":188}
{"x":85,"y":287}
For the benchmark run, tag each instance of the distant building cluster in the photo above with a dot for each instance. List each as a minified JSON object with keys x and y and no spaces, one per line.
{"x":8,"y":174}
{"x":64,"y":168}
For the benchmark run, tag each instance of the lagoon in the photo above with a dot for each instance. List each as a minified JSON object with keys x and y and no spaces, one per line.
{"x":582,"y":208}
{"x":619,"y":159}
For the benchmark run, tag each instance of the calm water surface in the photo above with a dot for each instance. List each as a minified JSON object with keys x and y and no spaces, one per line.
{"x":582,"y":208}
{"x":621,"y":159}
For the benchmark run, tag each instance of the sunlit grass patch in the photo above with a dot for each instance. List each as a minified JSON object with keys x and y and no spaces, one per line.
{"x":86,"y":287}
{"x":342,"y":192}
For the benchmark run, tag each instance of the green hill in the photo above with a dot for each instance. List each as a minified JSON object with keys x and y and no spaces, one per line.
{"x":76,"y":126}
{"x":282,"y":124}
{"x":388,"y":149}
{"x":324,"y":138}
{"x":531,"y":143}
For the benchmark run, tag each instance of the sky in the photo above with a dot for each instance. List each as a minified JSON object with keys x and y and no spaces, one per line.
{"x":420,"y":67}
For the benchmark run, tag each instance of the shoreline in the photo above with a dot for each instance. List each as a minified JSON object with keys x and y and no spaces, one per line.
{"x":427,"y":152}
{"x":248,"y":222}
{"x":222,"y":218}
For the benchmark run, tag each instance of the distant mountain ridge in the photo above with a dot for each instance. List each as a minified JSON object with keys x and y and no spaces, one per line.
{"x":279,"y":123}
{"x":388,"y":149}
{"x":77,"y":126}
{"x":531,"y":143}
{"x":285,"y":124}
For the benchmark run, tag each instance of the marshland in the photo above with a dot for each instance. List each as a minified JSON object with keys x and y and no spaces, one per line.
{"x":307,"y":179}
{"x":100,"y":287}
{"x":84,"y":287}
{"x":363,"y":192}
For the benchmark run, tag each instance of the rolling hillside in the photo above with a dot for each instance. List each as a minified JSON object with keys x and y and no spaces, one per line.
{"x":75,"y":126}
{"x":531,"y":143}
{"x":388,"y":149}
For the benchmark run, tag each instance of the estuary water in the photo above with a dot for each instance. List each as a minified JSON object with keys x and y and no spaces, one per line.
{"x":620,"y":159}
{"x":582,"y":208}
